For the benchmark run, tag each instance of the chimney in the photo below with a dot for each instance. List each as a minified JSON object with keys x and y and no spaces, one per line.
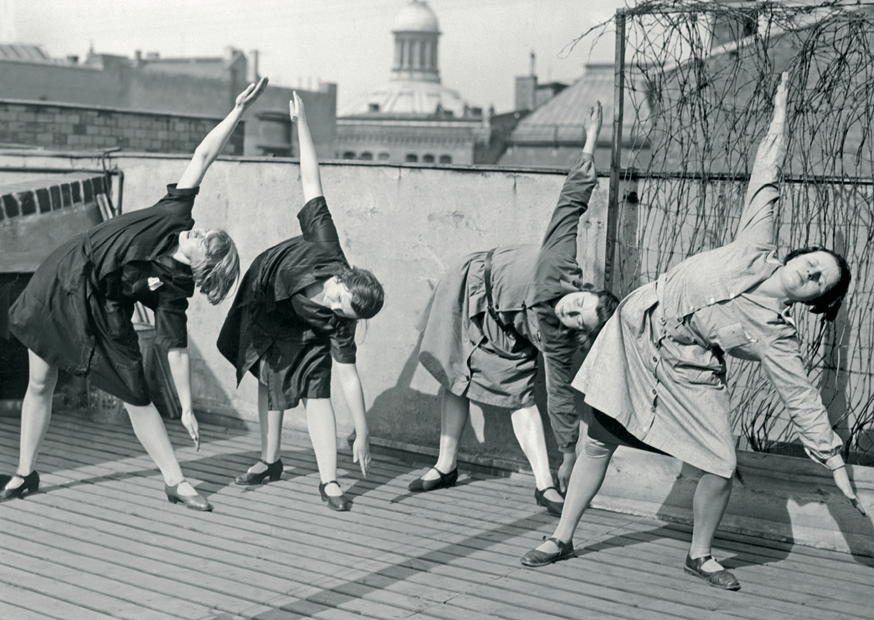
{"x":138,"y":58}
{"x":254,"y":68}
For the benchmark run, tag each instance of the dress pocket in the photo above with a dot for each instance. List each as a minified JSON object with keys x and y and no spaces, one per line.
{"x":733,"y":336}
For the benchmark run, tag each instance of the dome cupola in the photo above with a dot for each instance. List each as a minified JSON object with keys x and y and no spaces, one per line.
{"x":416,"y":32}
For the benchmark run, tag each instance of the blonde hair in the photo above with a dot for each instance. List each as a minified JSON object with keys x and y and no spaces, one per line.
{"x":216,"y":273}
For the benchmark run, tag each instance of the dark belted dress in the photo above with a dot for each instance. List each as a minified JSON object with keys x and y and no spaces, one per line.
{"x":466,"y":349}
{"x":76,"y":311}
{"x":274,"y":331}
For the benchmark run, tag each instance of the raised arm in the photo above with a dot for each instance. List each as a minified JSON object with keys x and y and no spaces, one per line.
{"x":215,"y":140}
{"x":561,"y":233}
{"x":757,"y":220}
{"x":309,"y":163}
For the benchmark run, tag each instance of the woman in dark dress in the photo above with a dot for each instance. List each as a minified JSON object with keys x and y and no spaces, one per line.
{"x":656,"y":377}
{"x":492,"y":315}
{"x":295,"y":312}
{"x":75,"y":313}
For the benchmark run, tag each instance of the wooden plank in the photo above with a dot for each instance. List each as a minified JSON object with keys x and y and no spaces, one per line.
{"x":58,"y":600}
{"x":452,"y":552}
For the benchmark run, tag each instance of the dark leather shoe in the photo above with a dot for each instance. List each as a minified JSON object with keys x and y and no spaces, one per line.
{"x":30,"y":485}
{"x":718,"y":579}
{"x":535,"y":558}
{"x":443,"y":482}
{"x":271,"y":474}
{"x":340,"y":503}
{"x":553,"y":508}
{"x":195,"y":502}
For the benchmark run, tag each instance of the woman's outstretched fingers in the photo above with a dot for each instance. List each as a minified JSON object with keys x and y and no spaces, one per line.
{"x":295,"y":106}
{"x":251,"y":92}
{"x":842,"y":481}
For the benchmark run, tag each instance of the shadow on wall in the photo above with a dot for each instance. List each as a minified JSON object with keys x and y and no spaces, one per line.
{"x":492,"y":442}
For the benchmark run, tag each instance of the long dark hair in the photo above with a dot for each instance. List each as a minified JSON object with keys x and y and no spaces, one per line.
{"x":829,"y":303}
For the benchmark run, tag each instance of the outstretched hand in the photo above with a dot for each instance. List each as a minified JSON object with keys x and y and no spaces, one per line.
{"x":190,"y":423}
{"x":361,"y":453}
{"x":295,"y":108}
{"x":842,"y":480}
{"x":252,"y":92}
{"x":596,"y":119}
{"x":781,"y":96}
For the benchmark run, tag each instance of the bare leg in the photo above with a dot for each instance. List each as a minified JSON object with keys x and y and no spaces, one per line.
{"x":270,"y":425}
{"x":585,"y":482}
{"x":36,"y":413}
{"x":323,"y":435}
{"x":454,"y":412}
{"x":708,"y":506}
{"x":150,"y":430}
{"x":529,"y":433}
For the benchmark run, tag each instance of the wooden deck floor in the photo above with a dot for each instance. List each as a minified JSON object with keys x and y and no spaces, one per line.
{"x":102,"y":541}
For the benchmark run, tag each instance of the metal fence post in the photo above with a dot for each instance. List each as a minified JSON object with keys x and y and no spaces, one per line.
{"x":610,"y":264}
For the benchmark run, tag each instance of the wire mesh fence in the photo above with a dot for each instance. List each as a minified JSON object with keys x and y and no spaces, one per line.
{"x":697,"y":80}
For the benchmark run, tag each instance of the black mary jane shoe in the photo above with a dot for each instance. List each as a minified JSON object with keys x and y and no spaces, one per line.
{"x":420,"y":485}
{"x":195,"y":502}
{"x":271,"y":474}
{"x":723,"y":579}
{"x":340,"y":503}
{"x":536,"y":558}
{"x":553,"y":508}
{"x":28,"y":486}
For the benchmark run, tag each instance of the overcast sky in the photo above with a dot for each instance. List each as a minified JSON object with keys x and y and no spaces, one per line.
{"x":485,"y":43}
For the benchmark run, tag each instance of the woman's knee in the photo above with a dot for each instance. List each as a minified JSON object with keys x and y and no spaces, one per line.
{"x":597,"y":449}
{"x":42,"y":379}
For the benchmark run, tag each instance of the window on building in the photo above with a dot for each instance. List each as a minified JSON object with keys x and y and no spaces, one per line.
{"x":446,"y":159}
{"x":383,"y":156}
{"x":348,"y":154}
{"x":428,"y":158}
{"x":366,"y":156}
{"x":373,"y":107}
{"x":412,"y":158}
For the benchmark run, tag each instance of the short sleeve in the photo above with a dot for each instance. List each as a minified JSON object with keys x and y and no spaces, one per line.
{"x":316,"y":223}
{"x":171,"y":322}
{"x":179,"y":200}
{"x":343,"y":347}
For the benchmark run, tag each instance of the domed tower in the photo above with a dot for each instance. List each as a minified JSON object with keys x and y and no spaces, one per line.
{"x":416,"y":33}
{"x":412,"y":117}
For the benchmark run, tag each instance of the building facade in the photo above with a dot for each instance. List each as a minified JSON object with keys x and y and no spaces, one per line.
{"x":412,"y":118}
{"x":149,"y":83}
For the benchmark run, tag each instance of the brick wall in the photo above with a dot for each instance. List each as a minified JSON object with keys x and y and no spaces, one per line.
{"x":68,"y":127}
{"x":117,"y":83}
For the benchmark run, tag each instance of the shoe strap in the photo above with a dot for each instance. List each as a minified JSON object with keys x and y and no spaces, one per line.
{"x":442,"y":475}
{"x":543,"y":491}
{"x":562,"y":546}
{"x":323,"y":485}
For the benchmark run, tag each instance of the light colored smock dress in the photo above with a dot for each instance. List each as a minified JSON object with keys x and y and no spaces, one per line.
{"x":658,"y":365}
